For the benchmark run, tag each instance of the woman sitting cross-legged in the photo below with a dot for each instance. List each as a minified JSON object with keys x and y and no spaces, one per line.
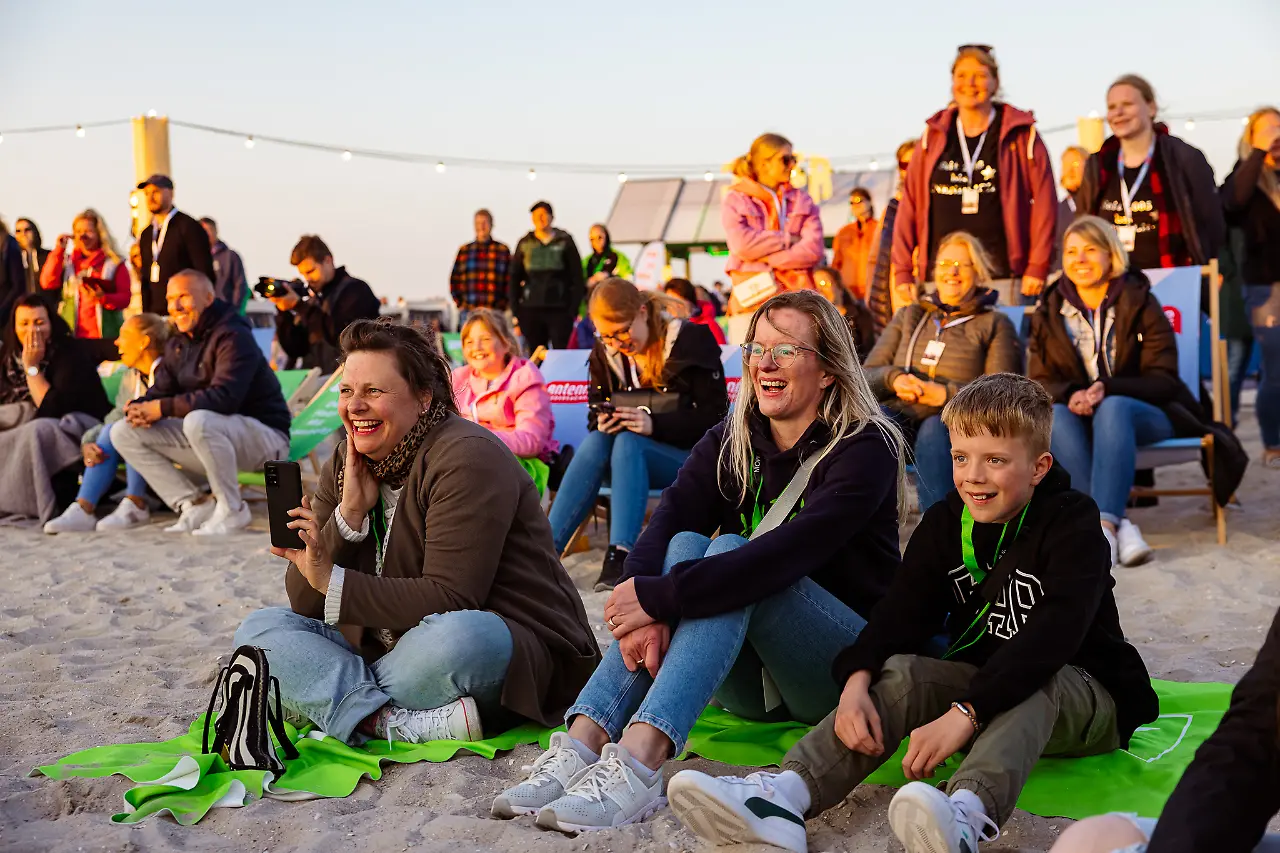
{"x":428,"y":601}
{"x":505,"y":393}
{"x":140,"y":342}
{"x":934,"y":347}
{"x":657,"y":385}
{"x":755,"y":621}
{"x":1103,"y":348}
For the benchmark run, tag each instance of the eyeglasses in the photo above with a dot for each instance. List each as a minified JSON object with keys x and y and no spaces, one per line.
{"x":985,"y":48}
{"x":789,"y":160}
{"x":623,"y":337}
{"x":783,"y":354}
{"x":951,"y":266}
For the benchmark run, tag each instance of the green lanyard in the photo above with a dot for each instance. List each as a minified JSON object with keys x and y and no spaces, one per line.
{"x":379,"y":525}
{"x":978,"y":575}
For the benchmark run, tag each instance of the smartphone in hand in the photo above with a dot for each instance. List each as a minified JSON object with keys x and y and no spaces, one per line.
{"x":284,"y":493}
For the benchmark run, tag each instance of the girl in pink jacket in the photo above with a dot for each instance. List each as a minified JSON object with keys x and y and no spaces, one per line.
{"x":505,"y":393}
{"x":769,"y":224}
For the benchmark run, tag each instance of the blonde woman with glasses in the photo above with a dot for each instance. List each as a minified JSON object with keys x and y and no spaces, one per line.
{"x":934,"y":347}
{"x":756,"y":616}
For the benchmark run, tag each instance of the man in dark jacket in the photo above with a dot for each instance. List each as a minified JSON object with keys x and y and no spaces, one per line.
{"x":173,"y":242}
{"x":546,"y":282}
{"x":215,"y":409}
{"x":308,"y":328}
{"x":229,"y":283}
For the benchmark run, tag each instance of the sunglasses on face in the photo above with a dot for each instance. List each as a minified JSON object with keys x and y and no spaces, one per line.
{"x":788,"y":160}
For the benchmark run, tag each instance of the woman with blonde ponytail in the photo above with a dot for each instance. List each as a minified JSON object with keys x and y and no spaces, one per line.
{"x":770,"y":226}
{"x":657,"y":385}
{"x":756,"y":616}
{"x":1251,"y":199}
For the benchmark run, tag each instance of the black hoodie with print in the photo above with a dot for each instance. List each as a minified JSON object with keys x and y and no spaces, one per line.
{"x":1051,"y":598}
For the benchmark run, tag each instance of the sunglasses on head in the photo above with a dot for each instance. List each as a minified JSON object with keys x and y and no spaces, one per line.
{"x":985,"y":48}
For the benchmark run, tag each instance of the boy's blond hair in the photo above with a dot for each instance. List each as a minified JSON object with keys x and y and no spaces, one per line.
{"x":1003,"y":404}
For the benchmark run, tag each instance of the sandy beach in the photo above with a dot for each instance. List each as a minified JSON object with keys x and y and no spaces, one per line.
{"x":113,"y":638}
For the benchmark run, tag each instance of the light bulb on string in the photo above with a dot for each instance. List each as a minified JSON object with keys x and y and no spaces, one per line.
{"x":1244,"y":122}
{"x":440,"y":168}
{"x":1,"y":138}
{"x":708,"y":177}
{"x":874,"y":165}
{"x":151,"y":113}
{"x":533,"y":175}
{"x":1191,"y":124}
{"x":248,"y":142}
{"x":346,"y":156}
{"x":80,"y":131}
{"x":622,"y":177}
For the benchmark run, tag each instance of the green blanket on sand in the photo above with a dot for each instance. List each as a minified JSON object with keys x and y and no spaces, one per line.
{"x":173,"y":776}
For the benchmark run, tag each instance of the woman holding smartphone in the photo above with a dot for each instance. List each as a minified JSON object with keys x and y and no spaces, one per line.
{"x":656,"y":386}
{"x":94,"y":280}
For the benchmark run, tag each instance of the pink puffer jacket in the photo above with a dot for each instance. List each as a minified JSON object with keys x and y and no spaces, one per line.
{"x":515,"y":407}
{"x":759,"y":239}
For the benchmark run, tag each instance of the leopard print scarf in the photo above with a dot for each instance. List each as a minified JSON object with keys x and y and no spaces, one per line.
{"x":394,"y":468}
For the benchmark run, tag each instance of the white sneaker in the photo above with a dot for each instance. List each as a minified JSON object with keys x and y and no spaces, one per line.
{"x":763,"y":808}
{"x":1111,"y":540}
{"x":459,"y":720}
{"x":192,"y":516}
{"x":127,"y":514}
{"x":1134,"y":550}
{"x":607,"y":794}
{"x":224,"y":521}
{"x":73,"y":520}
{"x":548,"y":778}
{"x":926,"y":820}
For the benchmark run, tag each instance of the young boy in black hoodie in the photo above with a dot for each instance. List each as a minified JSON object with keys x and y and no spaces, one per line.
{"x":1014,"y":568}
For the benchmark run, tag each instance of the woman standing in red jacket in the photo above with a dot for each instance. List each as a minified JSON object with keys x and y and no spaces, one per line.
{"x":95,"y":285}
{"x":980,"y":168}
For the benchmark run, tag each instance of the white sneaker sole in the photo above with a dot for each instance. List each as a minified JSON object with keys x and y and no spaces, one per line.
{"x":547,"y":819}
{"x":917,"y":825}
{"x":1137,"y":558}
{"x":503,"y":809}
{"x":719,"y":822}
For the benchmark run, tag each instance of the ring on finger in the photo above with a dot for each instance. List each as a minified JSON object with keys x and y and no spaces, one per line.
{"x":611,"y":623}
{"x":639,"y":661}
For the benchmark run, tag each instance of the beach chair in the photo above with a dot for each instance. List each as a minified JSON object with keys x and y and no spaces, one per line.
{"x":298,"y":387}
{"x":603,"y":506}
{"x":317,"y":421}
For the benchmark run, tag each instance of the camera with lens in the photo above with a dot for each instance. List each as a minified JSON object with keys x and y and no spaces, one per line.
{"x":274,"y":288}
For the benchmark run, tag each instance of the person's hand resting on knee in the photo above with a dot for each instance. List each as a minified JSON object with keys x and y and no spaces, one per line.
{"x":934,"y":743}
{"x":857,"y":721}
{"x":646,"y":647}
{"x":622,"y":612}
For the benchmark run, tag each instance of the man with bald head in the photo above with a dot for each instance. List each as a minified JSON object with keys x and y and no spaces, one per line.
{"x":215,"y":409}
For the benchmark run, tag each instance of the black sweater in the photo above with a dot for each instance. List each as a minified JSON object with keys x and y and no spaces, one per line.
{"x":692,"y":369}
{"x":1250,"y":210}
{"x":71,"y":368}
{"x":310,"y":330}
{"x":844,"y":536}
{"x":219,"y":367}
{"x":1052,"y":606}
{"x":1232,"y":788}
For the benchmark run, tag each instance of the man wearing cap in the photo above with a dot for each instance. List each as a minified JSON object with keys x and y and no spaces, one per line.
{"x":546,"y":282}
{"x":173,"y":242}
{"x":853,"y":244}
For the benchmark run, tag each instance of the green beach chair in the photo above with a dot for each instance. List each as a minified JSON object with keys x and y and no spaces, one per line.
{"x":310,"y":427}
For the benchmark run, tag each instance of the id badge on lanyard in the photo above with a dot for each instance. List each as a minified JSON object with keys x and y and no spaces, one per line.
{"x":1128,"y":232}
{"x":969,"y":195}
{"x":157,"y":243}
{"x":932,"y":353}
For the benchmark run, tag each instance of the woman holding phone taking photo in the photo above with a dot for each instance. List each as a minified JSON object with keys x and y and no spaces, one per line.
{"x":94,"y":280}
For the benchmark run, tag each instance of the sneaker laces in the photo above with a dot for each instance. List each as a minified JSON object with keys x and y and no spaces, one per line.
{"x":415,"y":724}
{"x":550,"y":765}
{"x":981,"y":828}
{"x":598,"y":779}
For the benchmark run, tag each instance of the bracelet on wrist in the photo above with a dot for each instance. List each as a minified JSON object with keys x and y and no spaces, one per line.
{"x":969,"y":715}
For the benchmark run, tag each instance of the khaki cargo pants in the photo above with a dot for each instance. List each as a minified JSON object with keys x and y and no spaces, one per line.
{"x":1071,"y":716}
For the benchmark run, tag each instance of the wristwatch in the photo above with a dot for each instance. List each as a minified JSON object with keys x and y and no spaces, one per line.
{"x":33,"y":371}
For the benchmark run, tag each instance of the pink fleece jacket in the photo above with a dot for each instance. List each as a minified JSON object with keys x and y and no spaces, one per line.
{"x":515,"y":407}
{"x":1027,"y":198}
{"x":759,"y":240}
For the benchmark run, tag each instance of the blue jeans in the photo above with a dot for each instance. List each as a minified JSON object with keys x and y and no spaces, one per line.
{"x":634,"y":464}
{"x":1099,"y":452}
{"x":443,"y":658}
{"x":795,"y":635}
{"x":1239,"y":351}
{"x":931,"y":455}
{"x":1262,"y":301}
{"x":98,"y":478}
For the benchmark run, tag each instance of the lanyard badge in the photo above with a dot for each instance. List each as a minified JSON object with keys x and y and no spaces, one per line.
{"x":1128,"y":232}
{"x":969,"y":196}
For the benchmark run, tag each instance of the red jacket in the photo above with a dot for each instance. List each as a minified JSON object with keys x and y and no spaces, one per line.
{"x":114,"y":298}
{"x":1027,"y":197}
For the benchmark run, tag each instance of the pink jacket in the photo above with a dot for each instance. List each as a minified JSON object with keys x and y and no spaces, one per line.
{"x":755,"y":234}
{"x":1027,"y":197}
{"x":516,"y":407}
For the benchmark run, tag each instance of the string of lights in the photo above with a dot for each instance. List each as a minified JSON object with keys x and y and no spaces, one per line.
{"x":623,"y":171}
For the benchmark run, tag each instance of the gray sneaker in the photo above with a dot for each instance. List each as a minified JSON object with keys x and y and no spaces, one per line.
{"x":607,"y":794}
{"x":548,"y":778}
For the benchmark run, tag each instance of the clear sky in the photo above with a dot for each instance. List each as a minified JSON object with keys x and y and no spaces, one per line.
{"x":655,"y":82}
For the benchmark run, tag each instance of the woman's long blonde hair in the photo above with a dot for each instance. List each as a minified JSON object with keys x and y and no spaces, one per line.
{"x":977,"y":254}
{"x":1101,"y":233}
{"x":619,"y":301}
{"x":764,"y":147}
{"x":1267,"y":180}
{"x":847,"y":407}
{"x":105,"y":242}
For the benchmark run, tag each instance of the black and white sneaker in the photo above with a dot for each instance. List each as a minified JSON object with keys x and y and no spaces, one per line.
{"x":242,"y":731}
{"x":611,"y":571}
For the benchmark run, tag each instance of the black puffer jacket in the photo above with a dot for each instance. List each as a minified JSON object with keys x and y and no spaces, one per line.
{"x":692,"y":369}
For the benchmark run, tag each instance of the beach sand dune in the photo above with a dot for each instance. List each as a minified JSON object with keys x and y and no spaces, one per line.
{"x":113,"y":638}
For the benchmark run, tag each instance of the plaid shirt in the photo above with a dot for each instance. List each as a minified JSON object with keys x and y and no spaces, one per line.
{"x":481,"y":277}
